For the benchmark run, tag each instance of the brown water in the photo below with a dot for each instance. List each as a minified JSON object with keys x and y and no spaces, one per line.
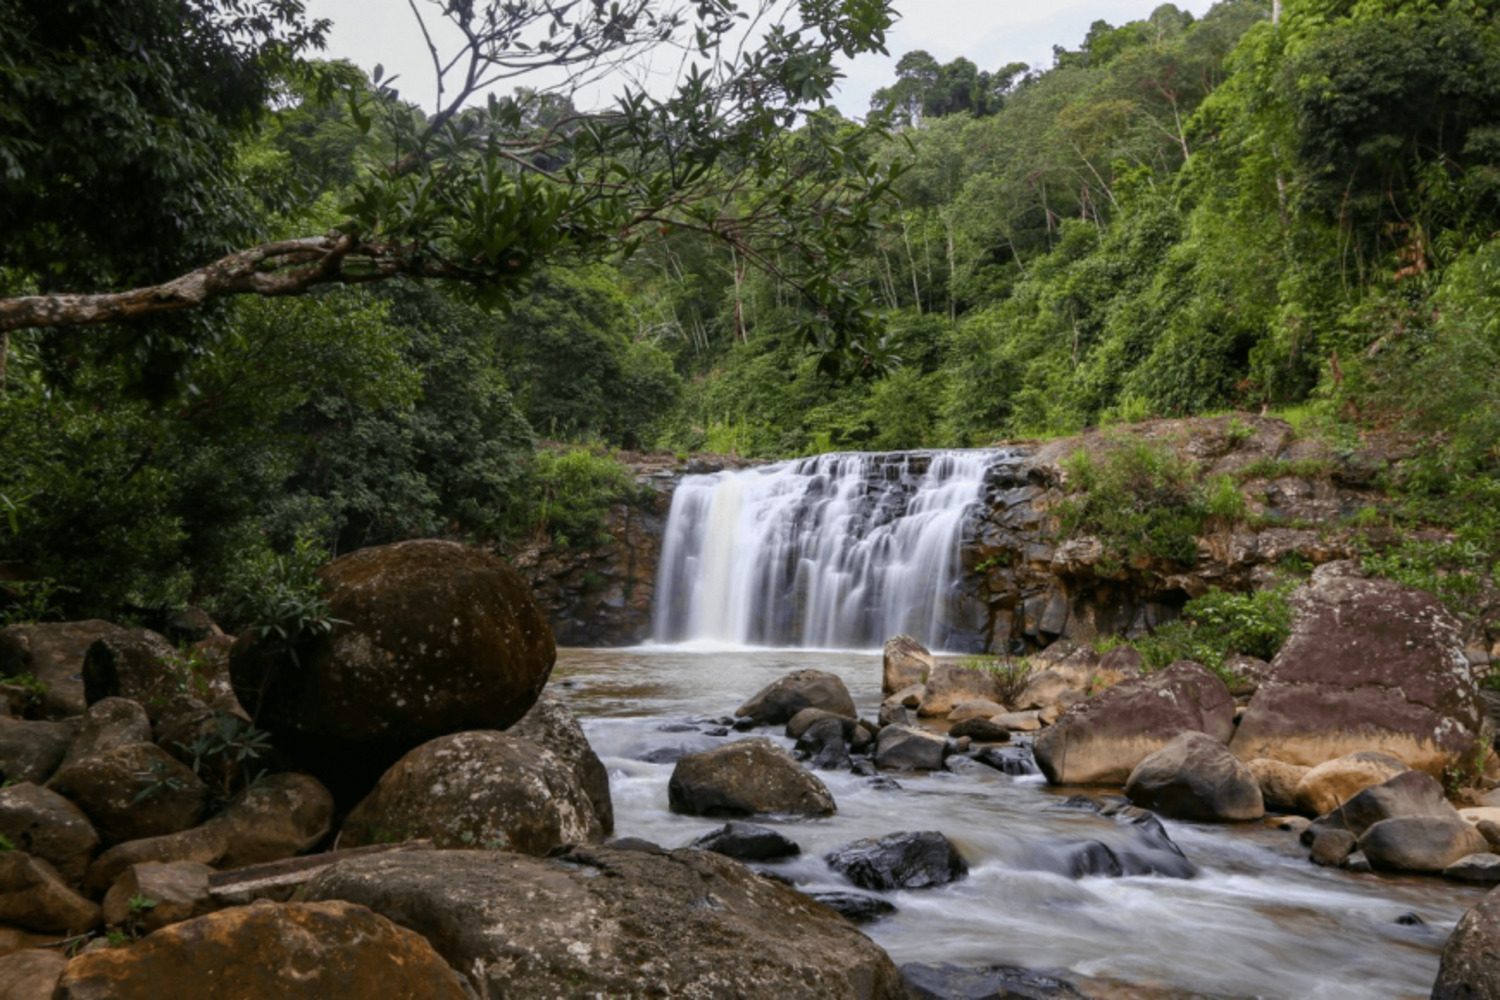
{"x":1259,"y":921}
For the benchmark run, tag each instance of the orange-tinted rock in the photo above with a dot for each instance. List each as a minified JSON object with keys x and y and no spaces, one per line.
{"x":30,"y":974}
{"x":34,"y":896}
{"x":436,"y":638}
{"x":477,"y":789}
{"x":268,"y":951}
{"x":1370,"y":665}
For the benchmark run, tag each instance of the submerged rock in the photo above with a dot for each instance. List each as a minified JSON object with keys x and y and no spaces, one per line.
{"x":823,"y":745}
{"x":952,"y":982}
{"x":899,"y":861}
{"x":856,"y":906}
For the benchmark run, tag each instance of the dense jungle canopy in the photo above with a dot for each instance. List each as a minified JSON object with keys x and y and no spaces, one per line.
{"x":251,"y":299}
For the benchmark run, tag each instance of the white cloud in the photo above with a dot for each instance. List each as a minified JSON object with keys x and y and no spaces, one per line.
{"x":990,"y":33}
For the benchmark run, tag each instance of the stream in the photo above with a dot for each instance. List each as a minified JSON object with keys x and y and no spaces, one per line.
{"x":1259,"y":920}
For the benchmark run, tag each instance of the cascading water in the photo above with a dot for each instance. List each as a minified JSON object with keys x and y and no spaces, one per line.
{"x":840,"y":550}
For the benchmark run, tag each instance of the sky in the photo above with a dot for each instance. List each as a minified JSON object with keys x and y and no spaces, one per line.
{"x":990,"y":33}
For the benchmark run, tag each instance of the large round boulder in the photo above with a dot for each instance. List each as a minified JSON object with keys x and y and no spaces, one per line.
{"x":1420,"y":843}
{"x":746,"y":778}
{"x":778,"y":701}
{"x":1196,"y":777}
{"x":1101,"y":740}
{"x":551,"y":726}
{"x":431,"y":638}
{"x":1370,"y":665}
{"x":477,"y":789}
{"x":617,"y":922}
{"x":268,"y":951}
{"x":1470,"y":968}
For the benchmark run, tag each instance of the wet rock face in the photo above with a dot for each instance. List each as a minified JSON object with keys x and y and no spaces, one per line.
{"x":477,"y":790}
{"x":1470,"y":968}
{"x":1101,"y":740}
{"x":899,"y":861}
{"x":268,"y":951}
{"x":438,"y":638}
{"x":1370,"y":665}
{"x":605,"y":921}
{"x":745,"y":778}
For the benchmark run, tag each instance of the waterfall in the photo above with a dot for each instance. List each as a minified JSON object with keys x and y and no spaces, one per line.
{"x":837,"y":551}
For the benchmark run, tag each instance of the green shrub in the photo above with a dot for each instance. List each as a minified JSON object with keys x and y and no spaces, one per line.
{"x":1141,"y":501}
{"x":1220,"y":625}
{"x":571,"y":494}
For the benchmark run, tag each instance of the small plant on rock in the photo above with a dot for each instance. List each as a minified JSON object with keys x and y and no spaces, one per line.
{"x":223,"y":757}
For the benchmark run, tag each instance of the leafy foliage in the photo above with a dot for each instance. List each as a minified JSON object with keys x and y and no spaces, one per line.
{"x":1219,"y":625}
{"x":1141,"y":501}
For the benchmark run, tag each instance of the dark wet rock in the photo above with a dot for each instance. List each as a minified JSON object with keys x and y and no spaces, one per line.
{"x":1152,"y":851}
{"x":895,"y":715}
{"x":881,"y":783}
{"x":744,"y":725}
{"x":1411,"y":920}
{"x":1195,"y":777}
{"x":1101,"y":740}
{"x":1092,"y":858}
{"x":745,"y":778}
{"x":666,"y":755}
{"x":599,"y":921}
{"x":1420,"y":843}
{"x":1016,"y":761}
{"x":552,"y":726}
{"x":905,"y":748}
{"x":45,"y":825}
{"x":53,"y":653}
{"x":435,"y":638}
{"x":952,"y":982}
{"x":776,"y":703}
{"x":862,"y":739}
{"x":1331,"y":847}
{"x":856,"y":906}
{"x":899,"y":861}
{"x":1483,"y":869}
{"x":676,"y":727}
{"x":32,"y":750}
{"x":477,"y":789}
{"x":1408,"y":795}
{"x":748,"y":842}
{"x":1370,"y":665}
{"x":823,"y":746}
{"x":1079,"y":803}
{"x":1470,"y":967}
{"x":905,"y":662}
{"x":864,"y":767}
{"x":1358,"y":864}
{"x":716,"y":731}
{"x":808,"y":717}
{"x":981,"y":731}
{"x":959,"y":764}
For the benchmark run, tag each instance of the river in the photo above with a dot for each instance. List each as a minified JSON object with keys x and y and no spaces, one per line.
{"x":1259,"y":920}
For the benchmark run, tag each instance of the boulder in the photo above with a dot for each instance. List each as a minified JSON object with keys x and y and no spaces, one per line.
{"x":268,"y":951}
{"x":905,"y":663}
{"x":551,"y":726}
{"x":747,"y":842}
{"x":1151,"y":851}
{"x":978,"y":708}
{"x":30,"y":974}
{"x":858,"y":907}
{"x":278,"y":817}
{"x":904,"y":748}
{"x":143,"y":666}
{"x":106,"y":725}
{"x":133,"y":791}
{"x":996,"y":982}
{"x":1046,"y":689}
{"x":477,"y":789}
{"x":1331,"y":847}
{"x":1101,"y":740}
{"x":33,"y":750}
{"x":435,"y":638}
{"x":981,"y":731}
{"x":777,"y":702}
{"x":804,"y":720}
{"x":1420,"y":843}
{"x":1196,"y":777}
{"x":1470,"y":966}
{"x":895,"y":715}
{"x":1410,"y":794}
{"x":33,"y":896}
{"x":1122,"y":660}
{"x":47,"y":826}
{"x":907,"y":697}
{"x":745,"y":778}
{"x":1370,"y":665}
{"x":823,"y":746}
{"x":1019,"y":722}
{"x":1481,"y":869}
{"x":1332,"y":783}
{"x":899,"y":861}
{"x":1278,"y":782}
{"x":948,"y":684}
{"x":53,"y":653}
{"x":611,"y":922}
{"x":178,"y":890}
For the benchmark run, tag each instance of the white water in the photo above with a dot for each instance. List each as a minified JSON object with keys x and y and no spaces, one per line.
{"x":837,"y":551}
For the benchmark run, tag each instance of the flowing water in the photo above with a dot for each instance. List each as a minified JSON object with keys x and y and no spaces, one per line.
{"x":1258,"y":921}
{"x":837,"y":551}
